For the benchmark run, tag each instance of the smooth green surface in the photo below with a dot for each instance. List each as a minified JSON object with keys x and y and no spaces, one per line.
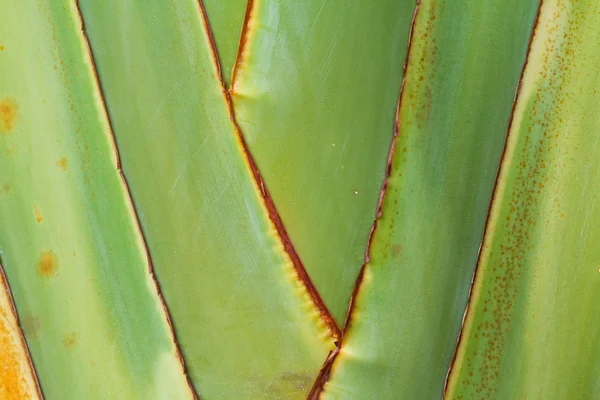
{"x":226,"y":19}
{"x":245,"y":325}
{"x":533,"y":327}
{"x":315,"y":95}
{"x":68,"y":241}
{"x":464,"y":64}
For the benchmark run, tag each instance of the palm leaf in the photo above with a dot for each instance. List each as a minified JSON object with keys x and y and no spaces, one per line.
{"x":196,"y":195}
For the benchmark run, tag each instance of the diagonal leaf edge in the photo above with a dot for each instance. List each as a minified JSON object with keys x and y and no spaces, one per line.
{"x":267,"y":201}
{"x":99,"y":94}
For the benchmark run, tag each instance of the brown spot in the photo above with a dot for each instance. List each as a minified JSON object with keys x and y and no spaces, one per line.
{"x":7,"y":187}
{"x":37,"y":213}
{"x":1,"y":48}
{"x":70,"y":340}
{"x":62,"y":163}
{"x":8,"y":112}
{"x":396,"y":249}
{"x":47,"y":264}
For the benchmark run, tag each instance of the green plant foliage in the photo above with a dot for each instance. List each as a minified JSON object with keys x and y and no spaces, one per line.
{"x":315,"y":94}
{"x":463,"y":67}
{"x":532,"y":329}
{"x":244,"y":322}
{"x":188,"y":188}
{"x":73,"y":255}
{"x":226,"y":19}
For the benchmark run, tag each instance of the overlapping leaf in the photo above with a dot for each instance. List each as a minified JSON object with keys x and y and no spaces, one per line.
{"x":245,"y":323}
{"x":463,"y":67}
{"x":315,"y":93}
{"x":69,"y":243}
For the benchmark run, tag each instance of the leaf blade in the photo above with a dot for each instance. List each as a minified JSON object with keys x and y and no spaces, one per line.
{"x":463,"y":65}
{"x":245,"y":323}
{"x":315,"y":93}
{"x":536,"y":282}
{"x":73,"y":256}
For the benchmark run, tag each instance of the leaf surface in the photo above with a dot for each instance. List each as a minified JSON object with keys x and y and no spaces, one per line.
{"x":74,"y":257}
{"x":226,"y":20}
{"x":245,"y":323}
{"x":533,"y":326}
{"x":315,"y":92}
{"x":463,"y":67}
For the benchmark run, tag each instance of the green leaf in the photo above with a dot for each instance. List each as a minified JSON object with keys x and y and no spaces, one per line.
{"x":226,"y":20}
{"x":463,"y":67}
{"x":245,"y":323}
{"x":73,"y":255}
{"x":315,"y":93}
{"x":532,"y":328}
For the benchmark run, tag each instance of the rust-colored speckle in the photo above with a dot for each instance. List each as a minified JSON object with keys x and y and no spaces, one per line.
{"x":1,"y":48}
{"x":70,"y":340}
{"x":8,"y":113}
{"x":525,"y":211}
{"x":37,"y":213}
{"x":63,"y":163}
{"x":7,"y":187}
{"x":48,"y":264}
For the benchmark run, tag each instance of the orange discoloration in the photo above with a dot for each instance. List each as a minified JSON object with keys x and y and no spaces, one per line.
{"x":70,"y":340}
{"x":37,"y":213}
{"x":7,"y":187}
{"x":63,"y":163}
{"x":12,"y":382}
{"x":8,"y":113}
{"x":48,"y":264}
{"x":1,"y":48}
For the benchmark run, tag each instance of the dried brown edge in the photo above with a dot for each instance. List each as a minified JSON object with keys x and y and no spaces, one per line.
{"x":129,"y":198}
{"x":21,"y":336}
{"x":301,"y":273}
{"x":241,"y":43}
{"x":323,"y":376}
{"x":325,"y":372}
{"x":492,"y":201}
